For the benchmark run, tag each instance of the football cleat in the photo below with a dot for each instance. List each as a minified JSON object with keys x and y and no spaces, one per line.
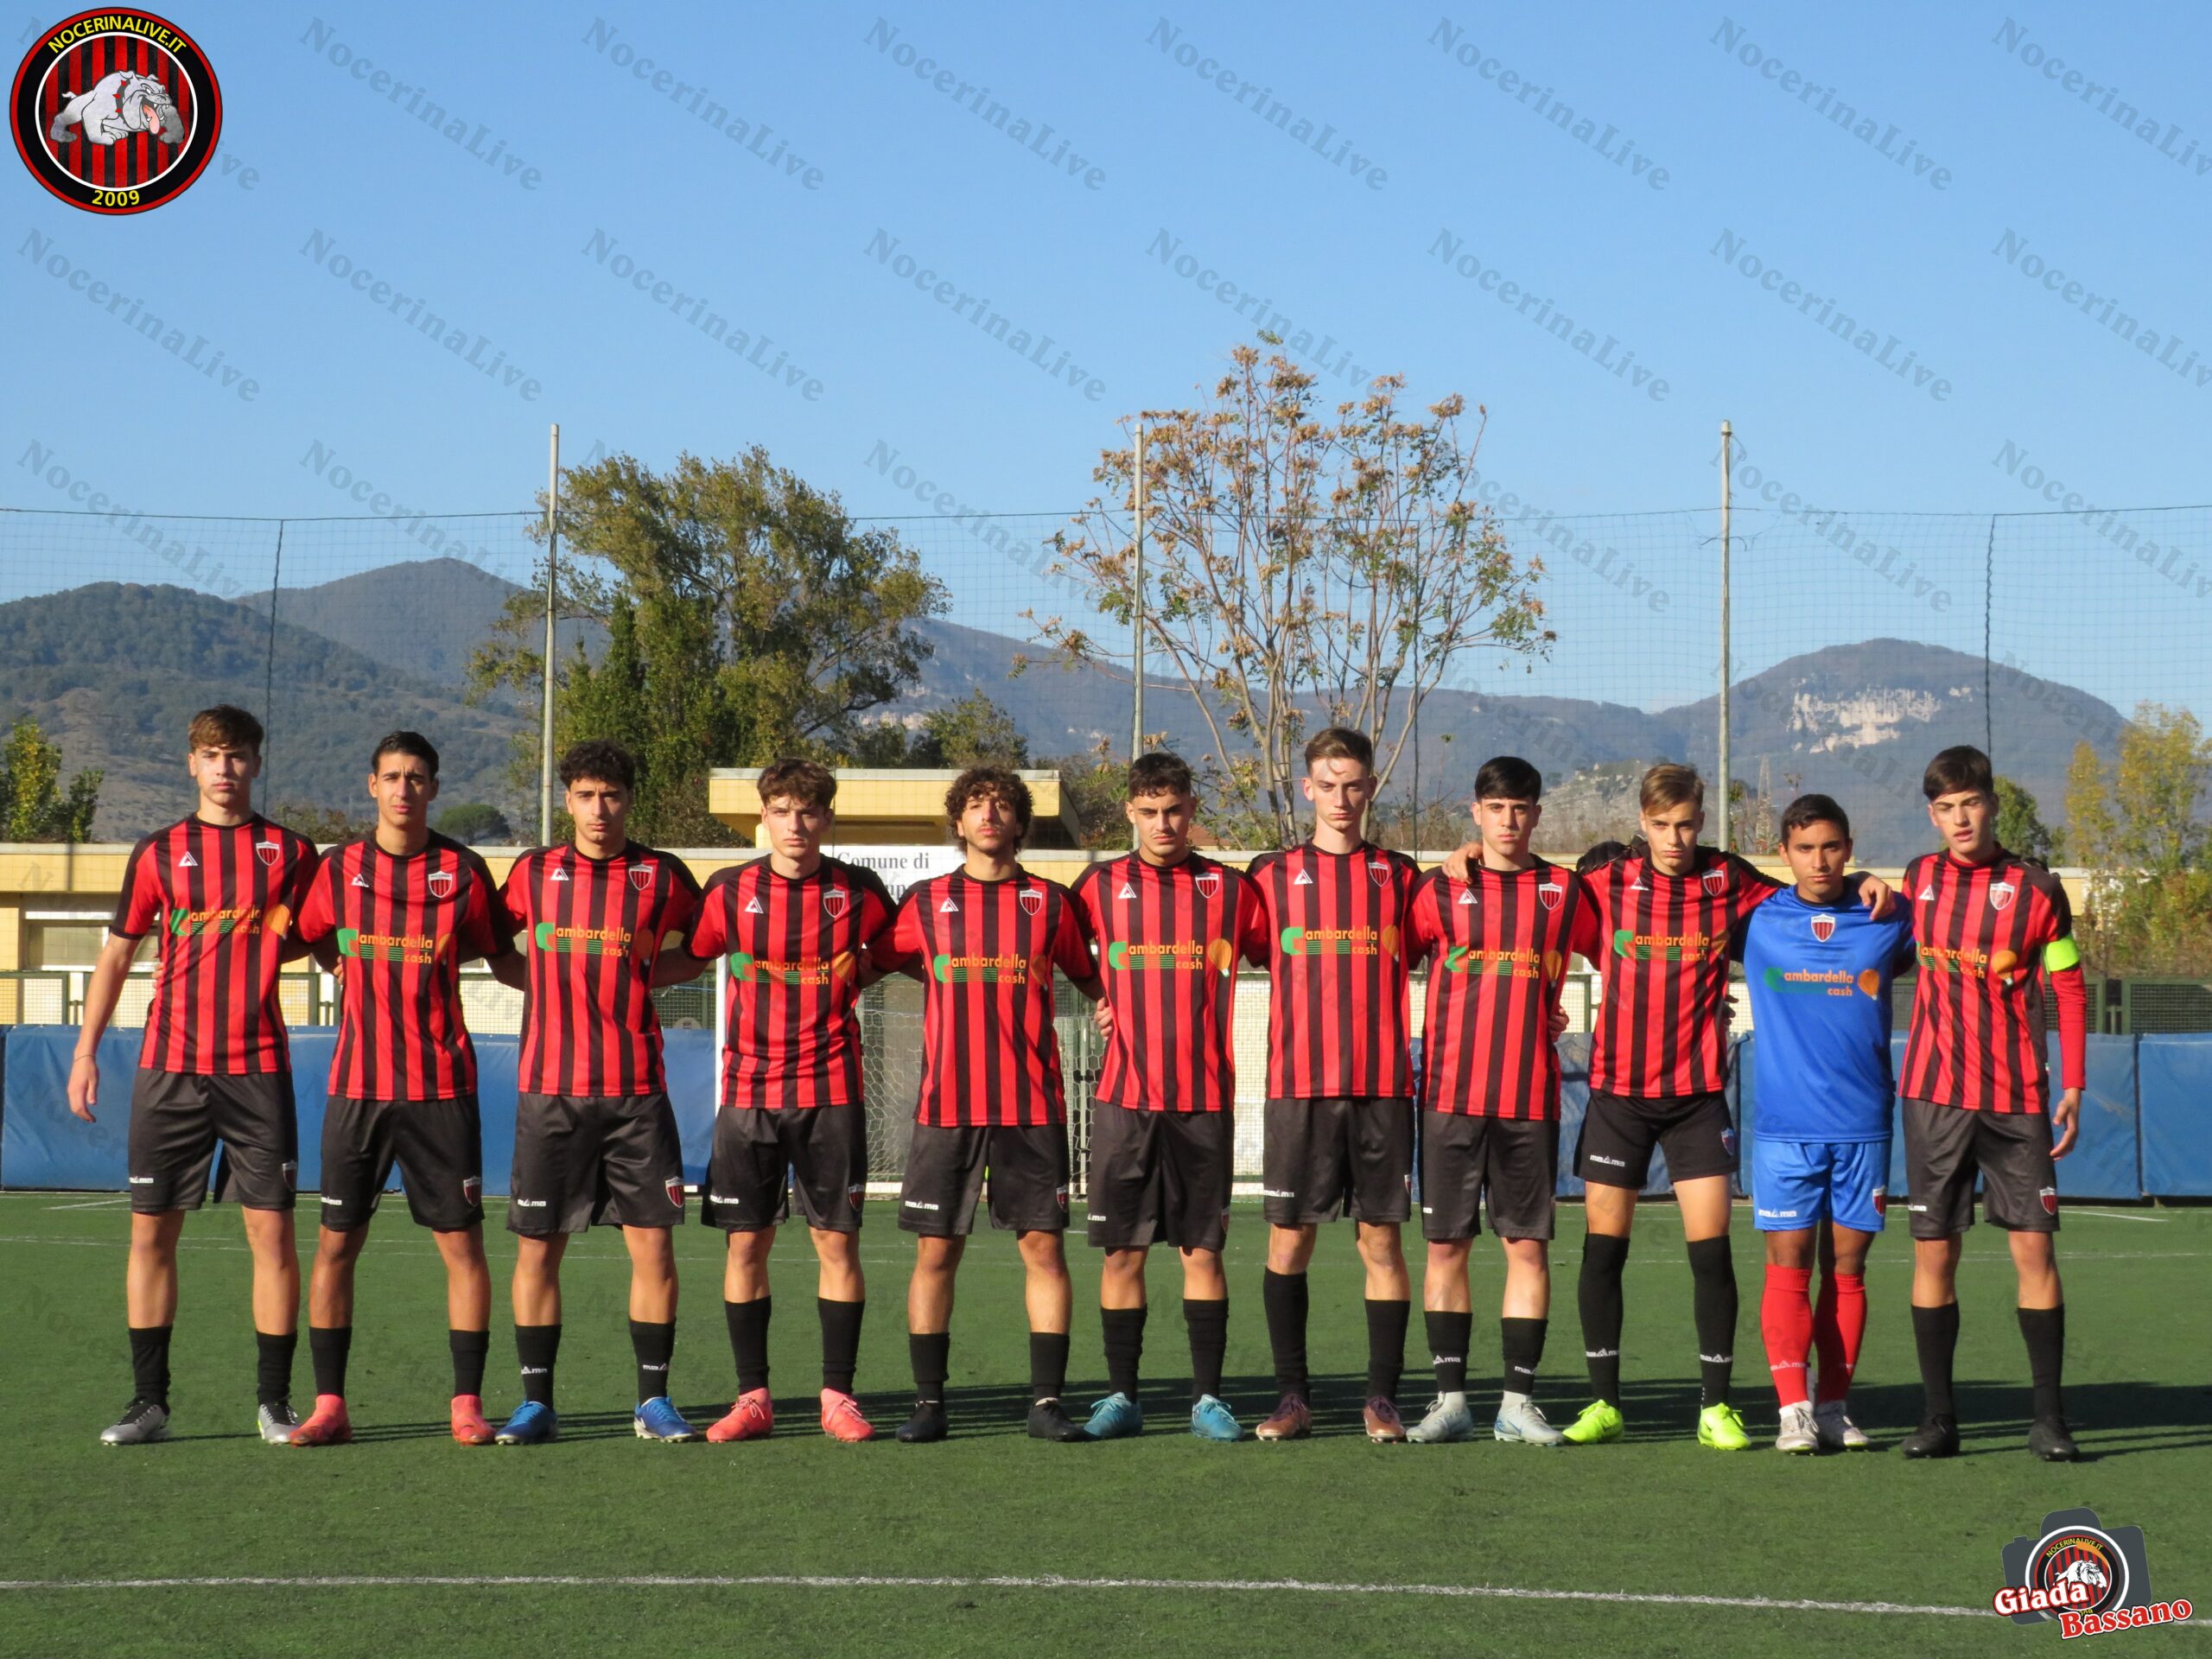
{"x":927,"y":1424}
{"x":1448,"y":1422}
{"x":1721,"y":1427}
{"x":327,"y":1425}
{"x":533,"y":1424}
{"x":1936,"y":1438}
{"x":750,"y":1419}
{"x":1524,"y":1421}
{"x":1837,"y":1432}
{"x":657,"y":1419}
{"x":143,"y":1423}
{"x":1598,"y":1424}
{"x":1048,"y":1422}
{"x":1114,"y":1418}
{"x":1212,"y":1420}
{"x":842,"y":1418}
{"x":1798,"y":1432}
{"x":469,"y":1427}
{"x":1292,"y":1420}
{"x":1383,"y":1425}
{"x":277,"y":1423}
{"x":2048,"y":1439}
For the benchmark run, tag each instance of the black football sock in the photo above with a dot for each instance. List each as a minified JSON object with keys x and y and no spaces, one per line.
{"x":272,"y":1377}
{"x":930,"y":1355}
{"x":1713,"y":1296}
{"x":1386,"y":1346}
{"x":1448,"y":1336}
{"x":653,"y":1342}
{"x":748,"y":1340}
{"x":1523,"y":1341}
{"x":841,"y":1342}
{"x":329,"y":1348}
{"x":1208,"y":1324}
{"x":1124,"y":1328}
{"x":1598,"y":1292}
{"x":470,"y":1350}
{"x":537,"y":1346}
{"x":1285,"y":1298}
{"x":2044,"y":1328}
{"x":149,"y":1362}
{"x":1935,"y":1335}
{"x":1048,"y":1364}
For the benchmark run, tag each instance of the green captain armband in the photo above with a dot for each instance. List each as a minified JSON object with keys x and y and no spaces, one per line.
{"x":2061,"y":954}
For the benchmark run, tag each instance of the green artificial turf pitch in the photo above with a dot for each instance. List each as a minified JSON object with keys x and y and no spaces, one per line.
{"x":1654,"y":1517}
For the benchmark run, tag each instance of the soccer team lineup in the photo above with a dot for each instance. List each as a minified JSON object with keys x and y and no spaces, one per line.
{"x":1361,"y":1121}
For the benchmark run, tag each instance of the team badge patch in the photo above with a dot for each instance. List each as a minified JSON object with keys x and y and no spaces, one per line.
{"x":1549,"y":895}
{"x":675,"y":1190}
{"x":2000,"y":894}
{"x":441,"y":883}
{"x":834,"y":900}
{"x":115,"y":111}
{"x":1380,"y":871}
{"x":471,"y":1188}
{"x":267,"y":852}
{"x":641,"y":876}
{"x":2049,"y":1197}
{"x":1728,"y":1141}
{"x":1208,"y":882}
{"x":1714,"y":881}
{"x":1824,"y":928}
{"x":291,"y":1170}
{"x":1881,"y":1200}
{"x":1032,"y":900}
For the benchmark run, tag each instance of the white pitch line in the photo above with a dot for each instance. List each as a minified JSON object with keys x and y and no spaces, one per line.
{"x":1050,"y":1581}
{"x":93,"y":1204}
{"x":2120,"y":1214}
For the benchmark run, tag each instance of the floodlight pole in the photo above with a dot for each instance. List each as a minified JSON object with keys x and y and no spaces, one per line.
{"x":545,"y":716}
{"x":1725,"y":441}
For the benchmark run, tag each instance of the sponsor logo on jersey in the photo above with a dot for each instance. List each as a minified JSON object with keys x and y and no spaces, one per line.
{"x":1467,"y":896}
{"x":115,"y":112}
{"x":1927,"y":893}
{"x":1126,"y":891}
{"x":754,"y":907}
{"x":1301,"y":879}
{"x":188,"y":862}
{"x":559,"y":874}
{"x":1339,"y":942}
{"x":948,"y":907}
{"x":359,"y":880}
{"x":440,"y":884}
{"x":2000,"y":894}
{"x":1823,"y":928}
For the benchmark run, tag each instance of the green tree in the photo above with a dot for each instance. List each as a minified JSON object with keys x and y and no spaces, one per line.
{"x":2020,"y":827}
{"x":973,"y":731}
{"x":476,"y":824}
{"x":2134,"y":823}
{"x":746,"y":616}
{"x":33,"y":806}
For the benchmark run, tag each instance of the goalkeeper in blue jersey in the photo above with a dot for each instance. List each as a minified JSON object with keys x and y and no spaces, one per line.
{"x":1819,"y":969}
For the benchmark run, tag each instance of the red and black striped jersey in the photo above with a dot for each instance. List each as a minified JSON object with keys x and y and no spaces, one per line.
{"x":1982,"y":935}
{"x":591,"y":929}
{"x":402,"y":926}
{"x":986,"y":950}
{"x":1496,"y":946}
{"x":1662,"y":943}
{"x":1166,"y":939}
{"x":794,"y":948}
{"x":224,"y":900}
{"x":1330,"y":928}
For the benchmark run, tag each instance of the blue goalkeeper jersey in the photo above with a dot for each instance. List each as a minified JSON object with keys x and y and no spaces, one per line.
{"x":1819,"y":976}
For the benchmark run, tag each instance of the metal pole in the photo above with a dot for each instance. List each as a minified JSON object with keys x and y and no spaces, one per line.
{"x":545,"y":718}
{"x":1726,"y":435}
{"x":1136,"y":659}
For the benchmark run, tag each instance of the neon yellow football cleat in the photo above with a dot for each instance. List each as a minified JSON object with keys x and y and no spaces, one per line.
{"x":1598,"y":1424}
{"x":1721,"y":1427}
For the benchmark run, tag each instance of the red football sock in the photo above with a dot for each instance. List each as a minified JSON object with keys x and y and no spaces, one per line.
{"x":1839,"y":1324}
{"x":1786,"y":1317}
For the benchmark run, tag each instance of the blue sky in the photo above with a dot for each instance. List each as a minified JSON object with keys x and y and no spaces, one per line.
{"x":1071,"y":245}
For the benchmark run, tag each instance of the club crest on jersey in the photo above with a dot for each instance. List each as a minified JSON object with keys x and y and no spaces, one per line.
{"x":267,"y":852}
{"x":834,"y":900}
{"x":2000,"y":894}
{"x":471,"y":1188}
{"x":641,"y":876}
{"x":1549,"y":895}
{"x":1208,"y":882}
{"x":1881,"y":1200}
{"x":1032,"y":900}
{"x":1380,"y":871}
{"x":675,"y":1190}
{"x":440,"y":884}
{"x":1714,"y":881}
{"x":1824,"y":928}
{"x":2049,"y":1197}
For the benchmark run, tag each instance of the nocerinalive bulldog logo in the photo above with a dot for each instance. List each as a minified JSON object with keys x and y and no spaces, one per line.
{"x":2089,"y":1577}
{"x":440,"y":884}
{"x":1824,"y":928}
{"x":115,"y":111}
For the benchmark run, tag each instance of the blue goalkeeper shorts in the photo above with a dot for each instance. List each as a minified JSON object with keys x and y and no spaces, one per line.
{"x":1802,"y":1183}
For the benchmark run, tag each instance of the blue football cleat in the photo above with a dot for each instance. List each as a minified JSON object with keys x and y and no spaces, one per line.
{"x":1114,"y":1418}
{"x":657,"y":1420}
{"x":1212,"y":1420}
{"x":533,"y":1424}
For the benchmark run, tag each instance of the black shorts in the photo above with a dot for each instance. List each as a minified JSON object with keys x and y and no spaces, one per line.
{"x":583,"y":1160}
{"x":176,"y":1118}
{"x":1944,"y":1146}
{"x":1323,"y":1156}
{"x":1160,"y":1178}
{"x":1619,"y":1133}
{"x":438,"y":1144}
{"x":1028,"y":1168}
{"x":761,"y":1154}
{"x":1515,"y":1159}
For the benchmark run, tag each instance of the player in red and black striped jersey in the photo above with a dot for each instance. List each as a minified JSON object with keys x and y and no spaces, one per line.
{"x":1496,"y":944}
{"x":1329,"y":924}
{"x":1988,"y":927}
{"x":797,"y":929}
{"x":394,"y":915}
{"x":599,"y":921}
{"x":1164,"y":922}
{"x":221,"y":890}
{"x":984,"y":941}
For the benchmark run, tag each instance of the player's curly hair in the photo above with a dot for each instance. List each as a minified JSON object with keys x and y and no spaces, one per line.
{"x":1161,"y":773}
{"x":1000,"y":783}
{"x":602,"y":761}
